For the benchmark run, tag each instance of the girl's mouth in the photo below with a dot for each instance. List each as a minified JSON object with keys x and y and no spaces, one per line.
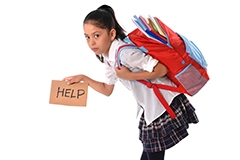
{"x":94,"y":49}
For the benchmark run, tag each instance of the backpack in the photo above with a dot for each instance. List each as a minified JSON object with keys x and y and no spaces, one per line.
{"x":186,"y":64}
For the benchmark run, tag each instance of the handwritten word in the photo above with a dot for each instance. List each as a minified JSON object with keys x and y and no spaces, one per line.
{"x":69,"y":93}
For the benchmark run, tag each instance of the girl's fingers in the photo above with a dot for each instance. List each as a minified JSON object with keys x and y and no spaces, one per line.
{"x":67,"y":78}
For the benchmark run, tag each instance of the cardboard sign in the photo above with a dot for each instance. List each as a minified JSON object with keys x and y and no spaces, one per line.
{"x":71,"y":95}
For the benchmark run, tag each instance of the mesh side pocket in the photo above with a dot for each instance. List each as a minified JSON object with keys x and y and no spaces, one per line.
{"x":191,"y":79}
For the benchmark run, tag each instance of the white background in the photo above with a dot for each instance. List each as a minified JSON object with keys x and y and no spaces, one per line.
{"x":43,"y":40}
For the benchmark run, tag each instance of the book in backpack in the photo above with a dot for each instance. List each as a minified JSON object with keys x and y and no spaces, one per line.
{"x":186,"y":64}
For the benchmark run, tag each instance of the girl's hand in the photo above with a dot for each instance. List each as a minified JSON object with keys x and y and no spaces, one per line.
{"x":74,"y":79}
{"x":123,"y":73}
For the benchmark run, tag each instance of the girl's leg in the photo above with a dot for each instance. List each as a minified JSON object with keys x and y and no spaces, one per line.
{"x":156,"y":155}
{"x":144,"y":156}
{"x":153,"y":156}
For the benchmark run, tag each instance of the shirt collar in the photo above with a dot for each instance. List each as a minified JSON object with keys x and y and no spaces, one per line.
{"x":113,"y":49}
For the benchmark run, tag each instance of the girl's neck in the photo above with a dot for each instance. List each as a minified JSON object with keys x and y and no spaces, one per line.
{"x":105,"y":54}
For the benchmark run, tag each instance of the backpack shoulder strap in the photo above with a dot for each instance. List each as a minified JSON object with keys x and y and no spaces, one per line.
{"x":117,"y":55}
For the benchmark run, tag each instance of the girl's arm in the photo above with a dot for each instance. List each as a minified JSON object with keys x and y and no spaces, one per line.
{"x":96,"y":85}
{"x":159,"y":70}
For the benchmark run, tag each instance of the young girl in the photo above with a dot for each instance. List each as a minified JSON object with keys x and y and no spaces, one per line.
{"x":158,"y":131}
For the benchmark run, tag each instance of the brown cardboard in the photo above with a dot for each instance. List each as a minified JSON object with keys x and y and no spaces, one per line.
{"x":72,"y":95}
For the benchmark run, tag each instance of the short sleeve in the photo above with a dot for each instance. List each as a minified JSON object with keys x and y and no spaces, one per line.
{"x":135,"y":58}
{"x":111,"y":77}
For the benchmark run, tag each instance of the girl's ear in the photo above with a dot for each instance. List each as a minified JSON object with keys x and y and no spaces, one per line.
{"x":112,"y":34}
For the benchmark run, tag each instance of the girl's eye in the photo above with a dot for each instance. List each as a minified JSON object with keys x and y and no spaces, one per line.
{"x":96,"y":35}
{"x":87,"y":37}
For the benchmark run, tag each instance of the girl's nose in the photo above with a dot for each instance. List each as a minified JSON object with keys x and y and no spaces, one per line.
{"x":92,"y":41}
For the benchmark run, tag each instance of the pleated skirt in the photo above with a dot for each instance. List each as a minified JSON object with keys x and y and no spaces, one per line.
{"x":165,"y":132}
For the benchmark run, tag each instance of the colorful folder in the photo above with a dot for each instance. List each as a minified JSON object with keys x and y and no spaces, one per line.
{"x":151,"y":28}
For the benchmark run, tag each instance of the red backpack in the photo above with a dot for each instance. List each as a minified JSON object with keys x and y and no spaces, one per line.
{"x":186,"y":65}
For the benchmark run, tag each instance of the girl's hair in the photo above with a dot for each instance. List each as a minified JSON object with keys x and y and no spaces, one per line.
{"x":104,"y":17}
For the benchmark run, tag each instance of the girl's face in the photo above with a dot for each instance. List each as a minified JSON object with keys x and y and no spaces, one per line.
{"x":99,"y":40}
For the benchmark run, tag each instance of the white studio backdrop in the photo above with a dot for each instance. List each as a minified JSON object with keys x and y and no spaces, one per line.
{"x":43,"y":40}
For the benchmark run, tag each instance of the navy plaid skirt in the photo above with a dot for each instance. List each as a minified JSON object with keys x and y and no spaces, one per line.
{"x":164,"y":132}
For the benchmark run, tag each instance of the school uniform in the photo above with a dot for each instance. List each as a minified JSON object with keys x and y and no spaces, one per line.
{"x":157,"y":130}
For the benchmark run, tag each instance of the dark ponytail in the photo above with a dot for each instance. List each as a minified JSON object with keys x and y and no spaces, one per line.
{"x":120,"y":31}
{"x":104,"y":17}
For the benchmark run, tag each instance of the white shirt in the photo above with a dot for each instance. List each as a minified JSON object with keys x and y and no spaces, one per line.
{"x":137,"y":61}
